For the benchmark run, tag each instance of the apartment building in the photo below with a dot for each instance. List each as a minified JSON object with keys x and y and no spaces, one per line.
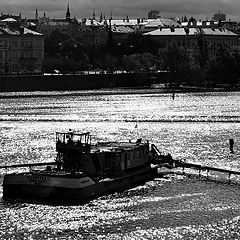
{"x":21,"y":50}
{"x":187,"y":37}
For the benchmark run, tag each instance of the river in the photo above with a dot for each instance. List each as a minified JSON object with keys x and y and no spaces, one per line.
{"x":194,"y":126}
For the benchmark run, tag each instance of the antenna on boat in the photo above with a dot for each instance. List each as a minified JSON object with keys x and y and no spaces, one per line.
{"x":136,"y":127}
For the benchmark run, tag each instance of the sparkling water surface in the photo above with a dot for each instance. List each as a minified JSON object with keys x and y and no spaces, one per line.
{"x":194,"y":126}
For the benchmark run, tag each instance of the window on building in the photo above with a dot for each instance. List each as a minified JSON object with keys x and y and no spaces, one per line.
{"x":14,"y":54}
{"x":38,"y":55}
{"x":14,"y":43}
{"x":14,"y":68}
{"x":38,"y":43}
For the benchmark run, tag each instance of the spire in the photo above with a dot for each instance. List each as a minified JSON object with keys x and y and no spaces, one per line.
{"x":68,"y":13}
{"x":111,"y":15}
{"x":185,"y":18}
{"x":101,"y":17}
{"x":94,"y":14}
{"x":36,"y":14}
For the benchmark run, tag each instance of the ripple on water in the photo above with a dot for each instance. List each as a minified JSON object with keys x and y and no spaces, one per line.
{"x":195,"y":127}
{"x":191,"y":209}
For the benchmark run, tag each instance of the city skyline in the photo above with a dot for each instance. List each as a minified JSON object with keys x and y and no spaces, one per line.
{"x":122,"y":8}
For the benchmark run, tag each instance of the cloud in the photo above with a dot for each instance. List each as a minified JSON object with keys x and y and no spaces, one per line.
{"x":121,"y":8}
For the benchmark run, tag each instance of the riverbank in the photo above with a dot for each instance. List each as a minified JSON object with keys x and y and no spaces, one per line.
{"x":105,"y":91}
{"x":71,"y":82}
{"x":118,"y":82}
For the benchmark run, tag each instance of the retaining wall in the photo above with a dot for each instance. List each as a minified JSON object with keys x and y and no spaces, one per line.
{"x":72,"y":82}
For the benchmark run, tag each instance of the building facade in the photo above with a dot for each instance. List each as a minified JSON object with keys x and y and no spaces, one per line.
{"x":21,"y":50}
{"x":187,"y":38}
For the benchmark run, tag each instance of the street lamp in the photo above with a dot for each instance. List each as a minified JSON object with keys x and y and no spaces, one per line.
{"x":6,"y":67}
{"x":75,"y":47}
{"x":10,"y":56}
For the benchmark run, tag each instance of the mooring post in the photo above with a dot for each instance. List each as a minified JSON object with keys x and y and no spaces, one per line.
{"x":231,"y":143}
{"x":207,"y":173}
{"x":199,"y":173}
{"x":229,"y":180}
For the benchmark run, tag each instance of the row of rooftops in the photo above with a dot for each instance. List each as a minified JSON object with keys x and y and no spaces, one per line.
{"x":179,"y":31}
{"x":191,"y":31}
{"x":138,"y":22}
{"x":131,"y":22}
{"x":160,"y":26}
{"x":126,"y":21}
{"x":119,"y":22}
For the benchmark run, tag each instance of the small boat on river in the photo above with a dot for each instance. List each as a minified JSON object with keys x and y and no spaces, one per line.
{"x":83,"y":171}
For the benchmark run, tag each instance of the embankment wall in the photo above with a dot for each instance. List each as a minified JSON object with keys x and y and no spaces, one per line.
{"x":72,"y":82}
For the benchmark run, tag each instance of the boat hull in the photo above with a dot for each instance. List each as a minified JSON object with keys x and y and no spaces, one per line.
{"x":70,"y":191}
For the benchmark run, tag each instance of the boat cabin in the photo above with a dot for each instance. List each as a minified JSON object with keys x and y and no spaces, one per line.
{"x":76,"y":153}
{"x":73,"y":141}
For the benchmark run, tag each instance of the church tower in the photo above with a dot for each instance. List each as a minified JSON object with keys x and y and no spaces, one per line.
{"x":101,"y":18}
{"x":36,"y":14}
{"x":68,"y":13}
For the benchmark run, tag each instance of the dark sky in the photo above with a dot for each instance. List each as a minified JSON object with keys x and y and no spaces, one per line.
{"x":133,"y":8}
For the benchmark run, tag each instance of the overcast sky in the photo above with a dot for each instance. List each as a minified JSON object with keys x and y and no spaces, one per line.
{"x":133,"y":8}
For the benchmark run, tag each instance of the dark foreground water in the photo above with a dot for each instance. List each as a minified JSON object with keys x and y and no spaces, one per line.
{"x":196,"y":127}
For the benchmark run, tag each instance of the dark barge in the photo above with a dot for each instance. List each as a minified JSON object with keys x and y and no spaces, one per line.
{"x":84,"y":171}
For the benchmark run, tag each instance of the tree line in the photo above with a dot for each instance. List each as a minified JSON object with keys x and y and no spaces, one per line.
{"x":142,"y":54}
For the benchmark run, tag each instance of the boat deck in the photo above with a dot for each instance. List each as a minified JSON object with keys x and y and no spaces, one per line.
{"x":115,"y":146}
{"x":54,"y":173}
